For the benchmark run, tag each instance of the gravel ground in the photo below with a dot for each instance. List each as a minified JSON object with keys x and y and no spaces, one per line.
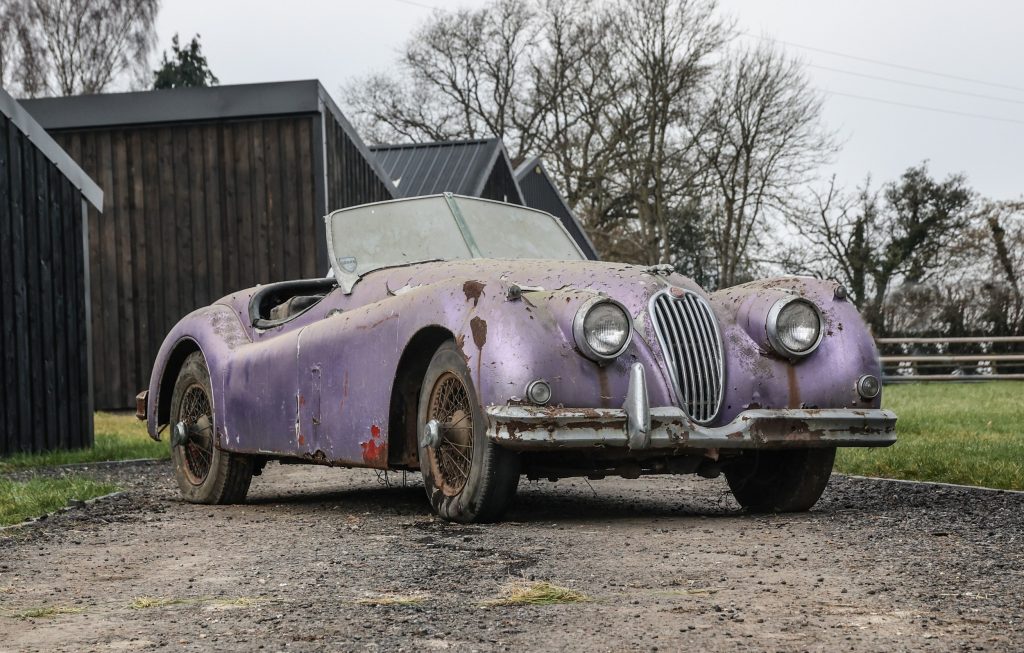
{"x":668,"y":563}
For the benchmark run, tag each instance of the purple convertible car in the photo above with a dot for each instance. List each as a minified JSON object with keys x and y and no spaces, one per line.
{"x":471,"y":340}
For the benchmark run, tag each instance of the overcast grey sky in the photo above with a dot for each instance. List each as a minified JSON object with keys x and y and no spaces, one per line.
{"x":257,"y":41}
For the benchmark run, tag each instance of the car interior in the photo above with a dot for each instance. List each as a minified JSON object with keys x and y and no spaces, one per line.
{"x":277,"y":303}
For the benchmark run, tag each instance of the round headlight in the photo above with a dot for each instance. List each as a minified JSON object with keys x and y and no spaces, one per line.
{"x":794,"y":327}
{"x":602,"y":329}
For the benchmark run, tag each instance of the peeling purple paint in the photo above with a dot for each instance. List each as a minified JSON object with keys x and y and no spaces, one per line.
{"x":356,"y":342}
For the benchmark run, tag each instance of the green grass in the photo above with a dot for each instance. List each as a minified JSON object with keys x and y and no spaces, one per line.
{"x":37,"y":496}
{"x":967,"y":433}
{"x":118,"y":437}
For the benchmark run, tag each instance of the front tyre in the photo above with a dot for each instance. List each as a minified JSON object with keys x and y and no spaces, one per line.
{"x":467,"y":477}
{"x":780,"y":481}
{"x":205,"y":473}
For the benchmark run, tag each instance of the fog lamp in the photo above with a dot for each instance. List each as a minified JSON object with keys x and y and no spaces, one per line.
{"x":538,"y":392}
{"x":868,"y":386}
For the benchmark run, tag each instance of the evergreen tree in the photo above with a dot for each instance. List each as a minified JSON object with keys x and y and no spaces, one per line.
{"x":186,"y":67}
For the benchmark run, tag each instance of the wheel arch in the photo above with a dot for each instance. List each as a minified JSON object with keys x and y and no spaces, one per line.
{"x":181,"y":351}
{"x":405,"y":393}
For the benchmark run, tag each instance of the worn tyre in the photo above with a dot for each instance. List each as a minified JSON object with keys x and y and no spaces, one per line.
{"x":780,"y":481}
{"x":205,"y":473}
{"x":467,"y":477}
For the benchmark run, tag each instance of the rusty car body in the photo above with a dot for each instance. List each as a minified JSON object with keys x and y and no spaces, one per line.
{"x":472,"y":341}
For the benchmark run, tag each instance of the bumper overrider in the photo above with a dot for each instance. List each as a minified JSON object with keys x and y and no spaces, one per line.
{"x":639,"y":427}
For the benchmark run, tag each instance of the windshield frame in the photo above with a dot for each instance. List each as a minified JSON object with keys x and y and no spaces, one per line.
{"x":347,"y":280}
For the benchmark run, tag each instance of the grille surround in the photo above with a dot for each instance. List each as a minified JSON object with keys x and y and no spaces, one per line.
{"x":692,"y":344}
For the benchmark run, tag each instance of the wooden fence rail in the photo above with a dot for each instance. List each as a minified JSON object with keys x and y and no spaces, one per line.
{"x":951,"y":359}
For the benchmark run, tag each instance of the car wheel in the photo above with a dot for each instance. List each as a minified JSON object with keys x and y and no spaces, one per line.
{"x":780,"y":481}
{"x":467,"y":477}
{"x":205,"y":473}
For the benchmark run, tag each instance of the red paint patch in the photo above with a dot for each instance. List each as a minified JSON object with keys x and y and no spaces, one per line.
{"x":302,"y":400}
{"x":375,"y":450}
{"x":302,"y":439}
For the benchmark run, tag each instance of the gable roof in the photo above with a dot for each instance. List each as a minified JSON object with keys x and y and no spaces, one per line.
{"x":36,"y":133}
{"x":540,"y":192}
{"x":460,"y":167}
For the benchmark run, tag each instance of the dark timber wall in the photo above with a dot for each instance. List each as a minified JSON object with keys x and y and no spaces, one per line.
{"x":208,"y":191}
{"x":44,"y":343}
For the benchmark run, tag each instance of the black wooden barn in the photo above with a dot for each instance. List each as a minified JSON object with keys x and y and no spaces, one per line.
{"x":208,"y":190}
{"x":44,"y":307}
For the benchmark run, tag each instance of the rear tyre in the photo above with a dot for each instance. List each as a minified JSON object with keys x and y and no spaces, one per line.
{"x":205,"y":473}
{"x":780,"y":481}
{"x":467,"y":477}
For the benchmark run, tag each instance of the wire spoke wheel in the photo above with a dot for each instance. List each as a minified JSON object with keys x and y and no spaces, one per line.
{"x":452,"y":458}
{"x":197,"y":450}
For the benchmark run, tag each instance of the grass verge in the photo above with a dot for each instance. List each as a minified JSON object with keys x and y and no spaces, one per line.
{"x":20,"y":500}
{"x":965,"y":433}
{"x":119,"y":436}
{"x":539,"y":593}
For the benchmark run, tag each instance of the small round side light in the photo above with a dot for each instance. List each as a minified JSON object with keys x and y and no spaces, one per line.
{"x":868,"y":386}
{"x":538,"y":392}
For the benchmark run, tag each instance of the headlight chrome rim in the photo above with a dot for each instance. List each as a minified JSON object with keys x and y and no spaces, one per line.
{"x":772,"y":328}
{"x":580,"y":336}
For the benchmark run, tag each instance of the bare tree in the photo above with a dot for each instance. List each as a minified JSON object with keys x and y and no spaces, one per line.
{"x":667,"y":48}
{"x":899,"y":238}
{"x":73,"y":47}
{"x":22,"y":63}
{"x":761,"y":140}
{"x":605,"y":93}
{"x":463,"y":75}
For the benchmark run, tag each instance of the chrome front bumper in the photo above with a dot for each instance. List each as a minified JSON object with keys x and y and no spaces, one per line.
{"x":639,"y":427}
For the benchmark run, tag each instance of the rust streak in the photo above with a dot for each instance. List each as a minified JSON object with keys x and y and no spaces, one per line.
{"x":479,"y":328}
{"x":794,"y":387}
{"x":473,"y":290}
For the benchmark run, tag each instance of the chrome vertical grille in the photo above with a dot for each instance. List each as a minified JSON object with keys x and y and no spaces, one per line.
{"x":688,"y":334}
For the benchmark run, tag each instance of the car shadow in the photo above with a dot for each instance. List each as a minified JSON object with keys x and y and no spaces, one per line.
{"x":549,"y":504}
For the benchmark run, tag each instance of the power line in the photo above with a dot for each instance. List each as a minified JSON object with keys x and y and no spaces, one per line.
{"x":879,"y":62}
{"x":916,"y":85}
{"x":416,"y":4}
{"x":923,"y":108}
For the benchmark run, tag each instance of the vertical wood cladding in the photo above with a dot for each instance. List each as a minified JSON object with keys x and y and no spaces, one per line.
{"x":194,"y":212}
{"x":350,"y":177}
{"x":43,"y":331}
{"x":501,"y":186}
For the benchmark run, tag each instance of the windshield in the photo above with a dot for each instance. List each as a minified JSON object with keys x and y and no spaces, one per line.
{"x":445,"y":227}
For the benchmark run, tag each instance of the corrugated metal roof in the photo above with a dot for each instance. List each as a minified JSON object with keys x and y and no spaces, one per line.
{"x":460,"y":167}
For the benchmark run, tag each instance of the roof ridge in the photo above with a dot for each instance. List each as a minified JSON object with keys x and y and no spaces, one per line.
{"x":466,"y":141}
